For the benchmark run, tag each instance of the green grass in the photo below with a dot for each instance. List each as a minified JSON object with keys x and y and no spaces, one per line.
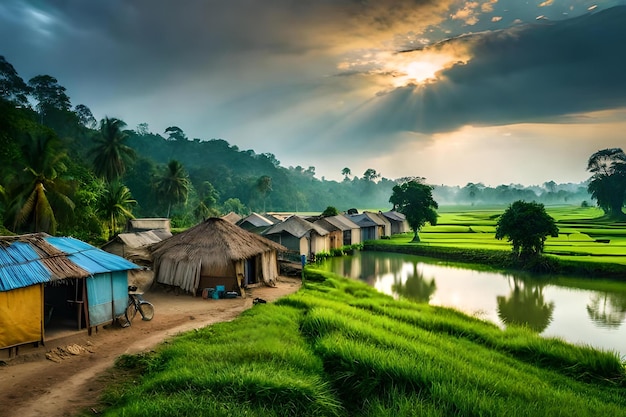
{"x":584,"y":235}
{"x":339,"y":348}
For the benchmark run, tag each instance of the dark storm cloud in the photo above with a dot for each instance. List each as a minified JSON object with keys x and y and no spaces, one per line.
{"x":537,"y":73}
{"x":119,"y":57}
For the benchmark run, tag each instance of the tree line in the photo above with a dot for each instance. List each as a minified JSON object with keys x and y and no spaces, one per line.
{"x":64,"y":172}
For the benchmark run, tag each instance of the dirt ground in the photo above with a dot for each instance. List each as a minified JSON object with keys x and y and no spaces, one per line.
{"x":67,"y":375}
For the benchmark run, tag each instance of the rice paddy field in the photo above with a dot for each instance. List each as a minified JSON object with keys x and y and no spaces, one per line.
{"x":338,"y":347}
{"x":583,"y":233}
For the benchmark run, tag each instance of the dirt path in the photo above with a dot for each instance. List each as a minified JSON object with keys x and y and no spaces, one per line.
{"x":73,"y":378}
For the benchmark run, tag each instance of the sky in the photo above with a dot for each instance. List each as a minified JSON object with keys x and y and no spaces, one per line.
{"x":492,"y":91}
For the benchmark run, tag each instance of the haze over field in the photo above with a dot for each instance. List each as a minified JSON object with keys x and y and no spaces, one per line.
{"x":494,"y":91}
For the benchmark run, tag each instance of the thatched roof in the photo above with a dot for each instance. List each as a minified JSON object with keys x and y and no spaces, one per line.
{"x":213,"y":242}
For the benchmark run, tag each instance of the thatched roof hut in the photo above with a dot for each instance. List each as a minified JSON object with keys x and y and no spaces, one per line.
{"x":215,"y":252}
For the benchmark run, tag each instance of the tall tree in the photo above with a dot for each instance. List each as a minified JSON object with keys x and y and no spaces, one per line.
{"x":111,"y":154}
{"x":12,"y":86}
{"x":173,"y":184}
{"x":115,"y":206}
{"x":49,"y":94}
{"x":526,"y":226}
{"x":370,"y":175}
{"x":42,"y":189}
{"x":176,"y":133}
{"x":607,"y":184}
{"x":346,"y":172}
{"x":85,"y":117}
{"x":415,"y":200}
{"x":264,"y":186}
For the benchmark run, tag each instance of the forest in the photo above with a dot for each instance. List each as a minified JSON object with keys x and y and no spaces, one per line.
{"x":66,"y":173}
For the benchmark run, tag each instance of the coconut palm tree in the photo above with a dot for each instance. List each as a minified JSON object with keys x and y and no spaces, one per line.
{"x":111,"y":154}
{"x":115,"y":206}
{"x":174,"y":184}
{"x":41,"y":189}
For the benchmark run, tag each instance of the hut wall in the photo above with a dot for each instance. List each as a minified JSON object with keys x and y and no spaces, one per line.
{"x":21,"y":316}
{"x":288,"y":241}
{"x":305,"y":248}
{"x":336,"y":239}
{"x":269,"y":268}
{"x":107,"y":297}
{"x":185,"y":275}
{"x":319,"y":243}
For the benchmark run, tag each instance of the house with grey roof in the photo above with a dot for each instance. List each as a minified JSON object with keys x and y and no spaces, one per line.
{"x":152,"y":223}
{"x":373,"y":226}
{"x":398,"y":221}
{"x":255,"y":223}
{"x":348,"y":232}
{"x":299,"y":235}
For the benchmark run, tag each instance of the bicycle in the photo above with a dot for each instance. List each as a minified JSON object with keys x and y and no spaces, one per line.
{"x":136,"y":303}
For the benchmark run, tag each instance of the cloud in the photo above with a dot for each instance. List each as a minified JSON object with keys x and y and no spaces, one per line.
{"x":537,"y":72}
{"x":367,"y":79}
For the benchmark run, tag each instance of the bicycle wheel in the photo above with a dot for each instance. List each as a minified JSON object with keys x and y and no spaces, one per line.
{"x":130,"y":313}
{"x":146,"y":309}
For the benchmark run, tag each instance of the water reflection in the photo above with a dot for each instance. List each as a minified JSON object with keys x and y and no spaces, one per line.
{"x":525,"y":306}
{"x":575,"y":310}
{"x":415,"y":287}
{"x":607,"y":310}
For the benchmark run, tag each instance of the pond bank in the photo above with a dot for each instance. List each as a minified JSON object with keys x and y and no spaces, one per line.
{"x":503,"y":260}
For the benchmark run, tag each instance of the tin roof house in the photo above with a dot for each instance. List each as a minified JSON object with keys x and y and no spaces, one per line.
{"x":57,"y":282}
{"x":398,"y":221}
{"x":299,"y":235}
{"x":256,"y":223}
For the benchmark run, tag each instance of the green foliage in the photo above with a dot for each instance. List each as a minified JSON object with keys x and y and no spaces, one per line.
{"x":330,"y":211}
{"x":173,"y":184}
{"x":12,"y":87}
{"x":236,"y":206}
{"x":607,"y":184}
{"x":336,"y":252}
{"x":111,"y":154}
{"x":42,"y":190}
{"x":115,"y":206}
{"x":414,"y":199}
{"x":526,"y":226}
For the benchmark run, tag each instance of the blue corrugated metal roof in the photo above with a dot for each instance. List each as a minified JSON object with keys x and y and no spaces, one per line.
{"x":90,"y":258}
{"x":20,"y":264}
{"x":20,"y":267}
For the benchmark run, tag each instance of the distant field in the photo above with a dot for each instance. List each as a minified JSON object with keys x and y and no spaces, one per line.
{"x":583,"y":234}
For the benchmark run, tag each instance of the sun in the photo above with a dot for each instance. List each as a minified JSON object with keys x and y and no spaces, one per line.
{"x":416,"y":72}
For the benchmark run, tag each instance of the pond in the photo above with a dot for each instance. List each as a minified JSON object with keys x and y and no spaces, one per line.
{"x":576,"y":310}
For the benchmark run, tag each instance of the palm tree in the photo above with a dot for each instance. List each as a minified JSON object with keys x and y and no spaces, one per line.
{"x":111,"y":154}
{"x":41,"y":189}
{"x":174,"y":184}
{"x":115,"y":206}
{"x":264,"y":186}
